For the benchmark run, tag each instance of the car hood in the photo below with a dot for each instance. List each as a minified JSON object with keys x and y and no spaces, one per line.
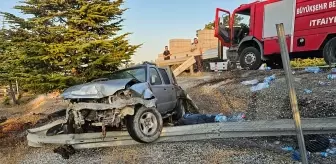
{"x":100,"y":89}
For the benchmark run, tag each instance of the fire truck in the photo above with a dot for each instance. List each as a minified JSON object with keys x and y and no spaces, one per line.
{"x":310,"y":28}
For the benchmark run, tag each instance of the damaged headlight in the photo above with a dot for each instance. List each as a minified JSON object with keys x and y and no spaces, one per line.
{"x":86,"y":90}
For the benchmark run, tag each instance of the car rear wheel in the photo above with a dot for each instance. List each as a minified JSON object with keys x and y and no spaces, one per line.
{"x":145,"y":125}
{"x":180,"y":109}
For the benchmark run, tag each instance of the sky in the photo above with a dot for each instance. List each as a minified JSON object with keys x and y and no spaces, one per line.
{"x":154,"y":22}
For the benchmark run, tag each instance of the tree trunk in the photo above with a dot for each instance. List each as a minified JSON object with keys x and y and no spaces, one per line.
{"x":17,"y":87}
{"x":12,"y":94}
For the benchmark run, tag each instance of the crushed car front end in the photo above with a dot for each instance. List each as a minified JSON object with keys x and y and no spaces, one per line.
{"x":104,"y":105}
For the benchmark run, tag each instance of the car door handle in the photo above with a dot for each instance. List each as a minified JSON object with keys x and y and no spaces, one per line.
{"x":165,"y":89}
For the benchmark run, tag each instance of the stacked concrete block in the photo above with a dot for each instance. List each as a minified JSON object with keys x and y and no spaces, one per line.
{"x":180,"y":48}
{"x":207,"y":39}
{"x":179,"y":45}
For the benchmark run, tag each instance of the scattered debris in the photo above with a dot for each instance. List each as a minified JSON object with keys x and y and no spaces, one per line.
{"x":263,"y":85}
{"x":307,"y":91}
{"x":287,"y":148}
{"x":276,"y":142}
{"x":259,"y":87}
{"x":269,"y":79}
{"x":331,"y":76}
{"x":315,"y":144}
{"x":264,"y":67}
{"x":65,"y":151}
{"x":328,"y":153}
{"x":313,"y":69}
{"x":333,"y":70}
{"x":297,"y":157}
{"x":250,"y":82}
{"x":323,"y":83}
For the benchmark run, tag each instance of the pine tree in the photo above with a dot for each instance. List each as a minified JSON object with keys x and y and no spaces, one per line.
{"x":237,"y":21}
{"x":6,"y":63}
{"x":68,"y":41}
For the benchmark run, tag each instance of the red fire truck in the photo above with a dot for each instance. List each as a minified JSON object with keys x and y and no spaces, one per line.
{"x":310,"y":27}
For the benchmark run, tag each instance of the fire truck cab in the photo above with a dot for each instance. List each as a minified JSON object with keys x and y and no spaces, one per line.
{"x":310,"y":28}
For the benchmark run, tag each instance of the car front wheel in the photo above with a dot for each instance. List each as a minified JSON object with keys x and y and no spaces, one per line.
{"x":145,"y":125}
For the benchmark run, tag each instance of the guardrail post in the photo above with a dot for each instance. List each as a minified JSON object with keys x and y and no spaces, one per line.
{"x":292,"y":94}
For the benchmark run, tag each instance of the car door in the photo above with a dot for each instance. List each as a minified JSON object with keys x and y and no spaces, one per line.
{"x":170,"y":87}
{"x":160,"y":90}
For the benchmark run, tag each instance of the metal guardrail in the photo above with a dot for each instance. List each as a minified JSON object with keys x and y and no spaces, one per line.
{"x":37,"y":137}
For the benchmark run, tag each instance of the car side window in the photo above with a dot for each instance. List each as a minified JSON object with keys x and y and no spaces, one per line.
{"x":154,"y":77}
{"x":164,"y":75}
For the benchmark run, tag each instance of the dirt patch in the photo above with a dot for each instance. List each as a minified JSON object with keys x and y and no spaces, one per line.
{"x":212,"y":100}
{"x":17,"y":124}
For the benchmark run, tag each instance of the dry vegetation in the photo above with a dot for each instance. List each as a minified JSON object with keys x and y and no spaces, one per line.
{"x":12,"y":131}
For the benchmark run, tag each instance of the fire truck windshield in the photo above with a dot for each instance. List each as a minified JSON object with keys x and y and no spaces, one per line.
{"x":241,"y":22}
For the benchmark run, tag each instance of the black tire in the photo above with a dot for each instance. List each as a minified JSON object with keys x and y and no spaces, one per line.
{"x":180,"y":109}
{"x":250,"y":58}
{"x":136,"y":129}
{"x":329,"y":51}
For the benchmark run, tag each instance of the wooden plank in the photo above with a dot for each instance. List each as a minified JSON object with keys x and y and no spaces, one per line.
{"x":179,"y":55}
{"x":191,"y":68}
{"x":183,"y":55}
{"x":172,"y":61}
{"x":184,"y":66}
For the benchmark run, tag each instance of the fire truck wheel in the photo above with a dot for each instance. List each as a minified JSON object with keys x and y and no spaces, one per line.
{"x":145,"y":125}
{"x":250,"y":58}
{"x":329,"y":51}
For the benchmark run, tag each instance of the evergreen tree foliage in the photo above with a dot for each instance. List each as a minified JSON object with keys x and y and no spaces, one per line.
{"x":237,"y":21}
{"x":65,"y":42}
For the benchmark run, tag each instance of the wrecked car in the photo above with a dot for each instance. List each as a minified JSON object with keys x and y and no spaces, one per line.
{"x":137,"y":98}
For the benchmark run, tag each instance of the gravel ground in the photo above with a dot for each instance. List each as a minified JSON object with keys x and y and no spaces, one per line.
{"x":186,"y":152}
{"x":214,"y":93}
{"x":225,"y":93}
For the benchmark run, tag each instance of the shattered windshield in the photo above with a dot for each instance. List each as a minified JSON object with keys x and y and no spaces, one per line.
{"x":136,"y":73}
